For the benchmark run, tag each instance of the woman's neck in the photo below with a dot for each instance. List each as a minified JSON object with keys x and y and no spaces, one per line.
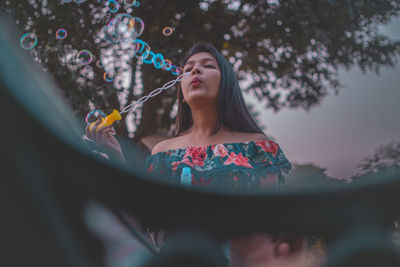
{"x":205,"y":120}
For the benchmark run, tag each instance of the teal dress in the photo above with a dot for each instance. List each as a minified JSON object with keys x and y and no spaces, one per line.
{"x":227,"y":167}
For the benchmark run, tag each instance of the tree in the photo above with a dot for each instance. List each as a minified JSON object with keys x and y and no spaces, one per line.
{"x":310,"y":175}
{"x":291,"y":49}
{"x":386,"y":158}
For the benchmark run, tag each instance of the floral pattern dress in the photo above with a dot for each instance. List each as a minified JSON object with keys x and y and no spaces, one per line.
{"x":230,"y":166}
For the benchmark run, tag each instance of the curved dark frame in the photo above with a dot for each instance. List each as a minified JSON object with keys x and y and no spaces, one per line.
{"x":48,"y":173}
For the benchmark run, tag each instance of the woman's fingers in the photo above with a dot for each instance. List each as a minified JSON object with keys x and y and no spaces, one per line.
{"x":91,"y":130}
{"x":103,"y":133}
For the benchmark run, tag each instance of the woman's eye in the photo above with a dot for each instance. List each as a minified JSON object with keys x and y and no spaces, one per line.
{"x":210,"y":66}
{"x":188,"y":69}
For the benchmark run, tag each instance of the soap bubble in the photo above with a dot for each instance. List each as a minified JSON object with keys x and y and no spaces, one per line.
{"x":130,"y":3}
{"x":138,"y":26}
{"x":109,"y":36}
{"x":142,"y":49}
{"x":108,"y":77}
{"x":179,"y":71}
{"x":125,"y":28}
{"x":79,"y":1}
{"x":99,"y":64}
{"x":88,"y":68}
{"x":28,"y":41}
{"x":176,"y":70}
{"x":137,"y":4}
{"x":61,"y":34}
{"x":167,"y":65}
{"x":84,"y":57}
{"x":158,"y":61}
{"x":149,"y":58}
{"x":113,"y":6}
{"x":94,"y":115}
{"x":167,"y":31}
{"x":66,"y":1}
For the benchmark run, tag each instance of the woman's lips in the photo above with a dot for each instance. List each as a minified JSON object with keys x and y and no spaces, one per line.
{"x":195,"y":82}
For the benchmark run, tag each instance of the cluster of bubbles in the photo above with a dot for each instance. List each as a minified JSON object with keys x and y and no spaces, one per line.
{"x":29,"y":40}
{"x":124,"y":28}
{"x":144,"y":53}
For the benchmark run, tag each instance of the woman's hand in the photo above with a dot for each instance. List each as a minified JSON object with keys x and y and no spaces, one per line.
{"x":105,"y":136}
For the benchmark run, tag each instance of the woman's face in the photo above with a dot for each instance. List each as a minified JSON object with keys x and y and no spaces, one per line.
{"x":202,"y":85}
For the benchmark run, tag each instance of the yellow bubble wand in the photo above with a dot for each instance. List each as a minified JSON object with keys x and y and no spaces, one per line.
{"x":109,"y":120}
{"x":116,"y":115}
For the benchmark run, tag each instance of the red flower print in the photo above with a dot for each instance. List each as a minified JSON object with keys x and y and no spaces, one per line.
{"x":220,"y":151}
{"x":184,"y":160}
{"x":187,"y":161}
{"x":175,"y":165}
{"x":238,"y":160}
{"x":150,"y":169}
{"x":235,"y":178}
{"x":268,"y":146}
{"x":197,"y":153}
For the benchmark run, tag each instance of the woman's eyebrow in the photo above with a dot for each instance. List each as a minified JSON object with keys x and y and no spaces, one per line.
{"x":203,"y":60}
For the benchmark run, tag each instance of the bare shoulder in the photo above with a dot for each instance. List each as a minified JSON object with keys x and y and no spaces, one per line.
{"x":165,"y":145}
{"x":248,"y":137}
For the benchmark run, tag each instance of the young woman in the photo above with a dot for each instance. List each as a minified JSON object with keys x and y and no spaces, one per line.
{"x":217,"y":138}
{"x":214,"y":133}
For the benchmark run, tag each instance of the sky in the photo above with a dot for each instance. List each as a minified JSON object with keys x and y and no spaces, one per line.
{"x":346,"y":127}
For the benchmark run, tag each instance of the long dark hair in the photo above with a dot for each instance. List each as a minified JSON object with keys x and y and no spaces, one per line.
{"x":232,"y":110}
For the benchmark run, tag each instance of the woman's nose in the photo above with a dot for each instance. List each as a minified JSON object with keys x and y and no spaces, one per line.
{"x":195,"y":69}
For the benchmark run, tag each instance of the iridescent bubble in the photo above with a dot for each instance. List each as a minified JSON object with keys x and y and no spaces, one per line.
{"x":84,"y":57}
{"x":61,"y":34}
{"x":94,"y":115}
{"x":138,"y":26}
{"x":125,"y":27}
{"x":113,"y":6}
{"x":28,"y":41}
{"x":142,"y":49}
{"x":174,"y":70}
{"x":99,"y":64}
{"x":130,"y":3}
{"x":179,"y":71}
{"x":109,"y":36}
{"x":167,"y":31}
{"x":88,"y":68}
{"x":158,"y":61}
{"x":79,"y":1}
{"x":149,"y":58}
{"x":137,"y":4}
{"x":66,"y":1}
{"x":108,"y":77}
{"x":167,"y":65}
